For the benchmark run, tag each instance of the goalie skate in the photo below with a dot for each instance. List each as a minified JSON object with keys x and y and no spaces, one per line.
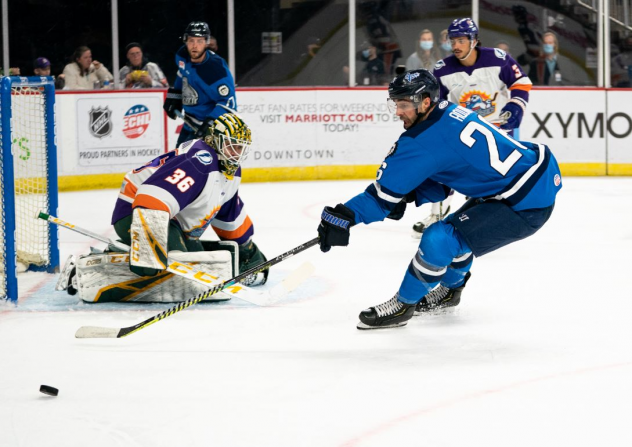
{"x":67,"y":275}
{"x":441,"y":297}
{"x":392,"y":313}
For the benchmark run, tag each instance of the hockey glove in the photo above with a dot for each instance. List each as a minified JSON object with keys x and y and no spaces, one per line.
{"x":173,"y":102}
{"x":250,"y":256}
{"x":512,"y":113}
{"x":335,"y":224}
{"x":201,"y":130}
{"x":398,"y":212}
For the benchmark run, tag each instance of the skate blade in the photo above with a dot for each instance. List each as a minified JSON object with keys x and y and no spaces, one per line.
{"x":365,"y":327}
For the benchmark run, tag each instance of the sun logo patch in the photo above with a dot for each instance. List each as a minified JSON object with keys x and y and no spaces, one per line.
{"x":478,"y":101}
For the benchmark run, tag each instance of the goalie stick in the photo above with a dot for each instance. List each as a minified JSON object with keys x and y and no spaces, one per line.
{"x":194,"y":274}
{"x":105,"y":332}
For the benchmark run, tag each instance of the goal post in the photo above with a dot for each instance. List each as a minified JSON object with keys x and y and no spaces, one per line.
{"x":29,"y":179}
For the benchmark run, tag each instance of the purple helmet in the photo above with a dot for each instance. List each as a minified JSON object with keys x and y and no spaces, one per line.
{"x":463,"y":27}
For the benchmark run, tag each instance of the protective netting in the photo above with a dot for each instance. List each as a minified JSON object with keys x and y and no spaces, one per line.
{"x":30,"y":162}
{"x":30,"y":167}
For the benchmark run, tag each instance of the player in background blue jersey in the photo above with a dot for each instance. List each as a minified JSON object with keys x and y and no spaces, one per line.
{"x":204,"y":86}
{"x":511,"y":184}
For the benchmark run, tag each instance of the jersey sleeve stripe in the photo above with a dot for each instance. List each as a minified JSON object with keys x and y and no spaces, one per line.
{"x":236,"y":233}
{"x":525,"y":87}
{"x":150,"y":202}
{"x":386,"y":195}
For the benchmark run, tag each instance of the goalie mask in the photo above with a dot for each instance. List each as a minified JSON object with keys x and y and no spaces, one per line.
{"x":231,"y":138}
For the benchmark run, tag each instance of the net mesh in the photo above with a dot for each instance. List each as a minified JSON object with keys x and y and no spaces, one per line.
{"x":29,"y":149}
{"x":28,"y":145}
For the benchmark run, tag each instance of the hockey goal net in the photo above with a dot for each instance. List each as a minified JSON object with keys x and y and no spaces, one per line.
{"x":29,"y":179}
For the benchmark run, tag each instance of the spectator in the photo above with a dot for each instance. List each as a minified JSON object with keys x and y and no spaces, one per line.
{"x":622,"y":65}
{"x":13,"y":71}
{"x":502,"y":45}
{"x":426,"y":54}
{"x":212,"y":44}
{"x":446,"y":46}
{"x":41,"y":67}
{"x":373,"y":72}
{"x":544,"y":70}
{"x":139,"y":72}
{"x":85,"y":74}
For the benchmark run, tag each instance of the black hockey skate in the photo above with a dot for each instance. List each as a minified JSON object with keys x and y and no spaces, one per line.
{"x":441,"y":297}
{"x":392,"y":313}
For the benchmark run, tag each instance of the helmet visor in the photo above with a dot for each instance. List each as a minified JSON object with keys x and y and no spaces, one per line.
{"x":400,"y":104}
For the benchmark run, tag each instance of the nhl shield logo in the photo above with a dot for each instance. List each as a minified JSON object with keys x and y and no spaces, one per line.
{"x":100,"y":122}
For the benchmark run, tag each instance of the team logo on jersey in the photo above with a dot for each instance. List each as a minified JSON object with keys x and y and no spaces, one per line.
{"x":464,"y":217}
{"x":439,"y":64}
{"x":190,"y":96}
{"x":479,"y":102}
{"x":410,"y":76}
{"x":557,"y":180}
{"x":500,"y":54}
{"x":204,"y":157}
{"x":392,"y":150}
{"x":100,"y":122}
{"x":443,"y":105}
{"x":136,"y":121}
{"x":223,"y":90}
{"x":181,"y":64}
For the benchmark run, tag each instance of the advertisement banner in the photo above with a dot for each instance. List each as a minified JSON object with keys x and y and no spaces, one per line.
{"x":119,"y":129}
{"x":318,"y":127}
{"x":619,"y":129}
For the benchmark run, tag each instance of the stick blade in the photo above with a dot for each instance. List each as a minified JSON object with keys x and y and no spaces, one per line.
{"x":97,"y":332}
{"x":291,"y":282}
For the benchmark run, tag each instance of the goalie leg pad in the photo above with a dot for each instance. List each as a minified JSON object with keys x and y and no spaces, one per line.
{"x":106,"y":278}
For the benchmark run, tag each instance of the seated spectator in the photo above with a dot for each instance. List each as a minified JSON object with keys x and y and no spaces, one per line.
{"x":85,"y":74}
{"x":621,"y":65}
{"x":545,"y":70}
{"x":373,"y":72}
{"x":425,"y":55}
{"x":41,"y":67}
{"x":445,"y":45}
{"x":139,"y":72}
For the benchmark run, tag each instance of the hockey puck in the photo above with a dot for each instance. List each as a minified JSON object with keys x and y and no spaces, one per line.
{"x":51,"y":391}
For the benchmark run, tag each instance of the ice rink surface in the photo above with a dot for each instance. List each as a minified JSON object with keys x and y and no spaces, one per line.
{"x":538,"y":353}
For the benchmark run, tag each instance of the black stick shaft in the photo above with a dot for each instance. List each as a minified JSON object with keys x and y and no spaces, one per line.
{"x":218,"y":288}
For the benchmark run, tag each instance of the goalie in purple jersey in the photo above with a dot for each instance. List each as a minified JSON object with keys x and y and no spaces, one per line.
{"x":512,"y":185}
{"x":166,"y":205}
{"x":486,"y":81}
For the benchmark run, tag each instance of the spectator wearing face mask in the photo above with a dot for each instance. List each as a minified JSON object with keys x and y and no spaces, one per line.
{"x":373,"y":72}
{"x":426,"y":54}
{"x":545,"y":69}
{"x":445,"y":47}
{"x":622,"y":65}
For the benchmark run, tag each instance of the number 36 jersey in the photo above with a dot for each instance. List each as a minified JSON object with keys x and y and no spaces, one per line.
{"x":189,"y":185}
{"x":455,"y":148}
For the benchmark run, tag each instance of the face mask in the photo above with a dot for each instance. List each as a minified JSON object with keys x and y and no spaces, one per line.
{"x":426,"y":44}
{"x":446,"y":46}
{"x":548,"y":48}
{"x":365,"y":53}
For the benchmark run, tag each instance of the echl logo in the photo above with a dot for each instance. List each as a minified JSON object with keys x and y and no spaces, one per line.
{"x":100,"y":122}
{"x":136,"y":121}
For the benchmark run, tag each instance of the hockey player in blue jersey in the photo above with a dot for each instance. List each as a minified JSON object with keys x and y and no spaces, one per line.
{"x":204,"y":86}
{"x":512,"y":186}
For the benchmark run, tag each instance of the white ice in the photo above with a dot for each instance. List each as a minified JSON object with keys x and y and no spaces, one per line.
{"x":538,"y":353}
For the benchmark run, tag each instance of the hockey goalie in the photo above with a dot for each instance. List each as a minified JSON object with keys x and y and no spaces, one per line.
{"x":163,"y":208}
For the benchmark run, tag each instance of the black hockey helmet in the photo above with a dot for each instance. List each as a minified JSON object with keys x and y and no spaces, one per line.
{"x":197,"y":29}
{"x":413,"y":85}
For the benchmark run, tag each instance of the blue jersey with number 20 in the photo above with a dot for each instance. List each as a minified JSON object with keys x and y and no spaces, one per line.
{"x":455,"y":148}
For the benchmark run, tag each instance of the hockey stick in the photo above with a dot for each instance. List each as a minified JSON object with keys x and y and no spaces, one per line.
{"x":194,"y":274}
{"x":188,"y":121}
{"x":104,"y":332}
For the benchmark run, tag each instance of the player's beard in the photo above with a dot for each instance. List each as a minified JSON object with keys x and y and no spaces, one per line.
{"x":195,"y":54}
